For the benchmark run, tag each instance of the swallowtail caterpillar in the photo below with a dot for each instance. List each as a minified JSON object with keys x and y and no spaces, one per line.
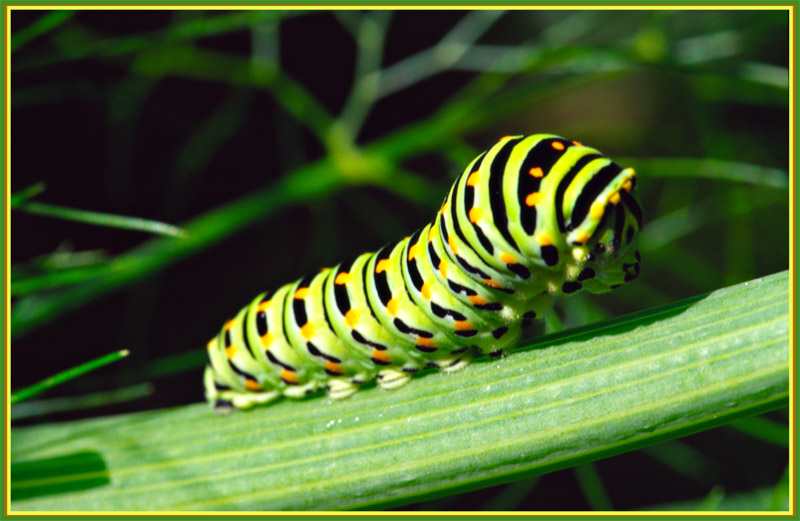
{"x":528,"y":219}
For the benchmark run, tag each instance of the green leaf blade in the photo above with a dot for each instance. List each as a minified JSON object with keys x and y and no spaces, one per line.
{"x":651,"y":377}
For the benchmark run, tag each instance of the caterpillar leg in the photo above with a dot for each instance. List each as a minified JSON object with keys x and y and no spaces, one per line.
{"x":452,"y":365}
{"x":393,"y":378}
{"x":223,"y":399}
{"x":339,"y":389}
{"x":299,"y":391}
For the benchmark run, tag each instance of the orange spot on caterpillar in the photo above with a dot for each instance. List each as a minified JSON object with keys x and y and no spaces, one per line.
{"x":577,"y":143}
{"x":536,"y":172}
{"x":558,"y":145}
{"x":614,"y":198}
{"x":443,"y":268}
{"x":452,"y":243}
{"x":545,"y":240}
{"x":477,"y":300}
{"x":301,"y":293}
{"x":383,"y":356}
{"x":534,"y":198}
{"x":444,"y":207}
{"x":426,"y":290}
{"x":413,"y":251}
{"x":342,"y":278}
{"x":263,"y":306}
{"x":596,"y":211}
{"x":229,"y":324}
{"x":583,"y":237}
{"x":425,"y":342}
{"x":491,"y":283}
{"x":473,"y":179}
{"x":463,"y":325}
{"x":289,"y":376}
{"x":333,"y":367}
{"x":351,"y":317}
{"x":307,"y":330}
{"x":627,"y":185}
{"x":382,"y":266}
{"x":230,"y":352}
{"x":252,"y":385}
{"x":508,"y":259}
{"x":392,"y":306}
{"x":266,"y":339}
{"x":475,"y":214}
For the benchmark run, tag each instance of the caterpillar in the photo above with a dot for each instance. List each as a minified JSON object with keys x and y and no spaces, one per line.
{"x":531,"y":218}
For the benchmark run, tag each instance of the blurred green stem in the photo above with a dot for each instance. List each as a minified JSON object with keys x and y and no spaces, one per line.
{"x":101,"y":219}
{"x":18,"y":198}
{"x":67,"y":375}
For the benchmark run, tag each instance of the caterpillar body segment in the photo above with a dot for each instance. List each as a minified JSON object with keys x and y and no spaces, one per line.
{"x":531,"y":218}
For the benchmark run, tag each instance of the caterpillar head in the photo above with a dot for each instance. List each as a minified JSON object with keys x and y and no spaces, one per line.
{"x":603,"y":229}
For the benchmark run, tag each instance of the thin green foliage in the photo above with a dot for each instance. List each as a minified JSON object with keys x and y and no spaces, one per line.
{"x":65,"y":376}
{"x":764,"y":429}
{"x":101,"y":219}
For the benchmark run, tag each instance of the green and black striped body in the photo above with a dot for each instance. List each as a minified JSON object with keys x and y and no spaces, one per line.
{"x":529,"y":219}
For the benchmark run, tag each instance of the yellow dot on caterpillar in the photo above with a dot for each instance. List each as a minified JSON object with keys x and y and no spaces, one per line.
{"x":263,"y":306}
{"x":307,"y":330}
{"x":426,"y":290}
{"x":473,"y":179}
{"x":508,"y":259}
{"x":577,"y":143}
{"x":627,"y":185}
{"x":443,"y":268}
{"x":392,"y":306}
{"x":463,"y":325}
{"x":266,"y":339}
{"x":289,"y":376}
{"x":230,"y":352}
{"x":534,"y":198}
{"x":351,"y":317}
{"x":433,"y":232}
{"x":301,"y":293}
{"x":597,"y":211}
{"x":536,"y":172}
{"x":333,"y":367}
{"x":475,"y":214}
{"x":382,"y":266}
{"x":342,"y":278}
{"x":452,"y":243}
{"x":211,"y":343}
{"x":425,"y":342}
{"x":229,"y":324}
{"x":582,"y":237}
{"x":252,"y":385}
{"x":477,"y":300}
{"x":444,"y":207}
{"x":558,"y":145}
{"x":545,"y":240}
{"x":413,"y":251}
{"x":383,"y":356}
{"x":614,"y":198}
